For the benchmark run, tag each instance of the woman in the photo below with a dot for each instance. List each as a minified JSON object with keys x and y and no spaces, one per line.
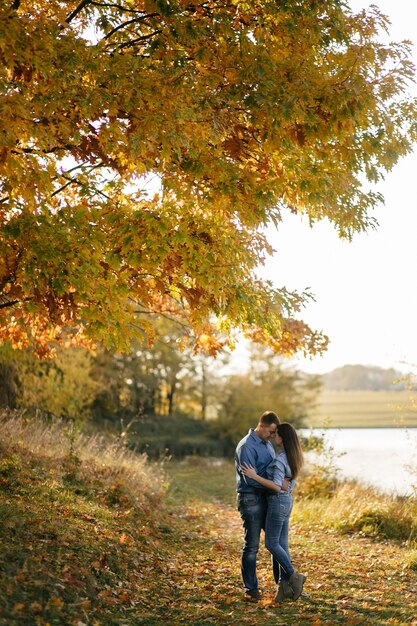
{"x":287,"y":463}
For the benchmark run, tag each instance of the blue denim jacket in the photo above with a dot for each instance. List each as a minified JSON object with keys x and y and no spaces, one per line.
{"x":256,"y":452}
{"x":279,"y":469}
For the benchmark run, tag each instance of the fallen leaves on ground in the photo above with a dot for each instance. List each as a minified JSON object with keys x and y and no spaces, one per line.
{"x":70,"y":558}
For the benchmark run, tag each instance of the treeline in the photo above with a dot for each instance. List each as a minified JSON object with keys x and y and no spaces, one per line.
{"x":160,"y":397}
{"x":364,"y":378}
{"x":164,"y":398}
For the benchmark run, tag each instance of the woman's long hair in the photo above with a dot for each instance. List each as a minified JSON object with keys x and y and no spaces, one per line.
{"x":292,"y":447}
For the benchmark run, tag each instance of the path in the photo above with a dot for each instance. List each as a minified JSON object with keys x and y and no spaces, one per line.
{"x":351,"y":580}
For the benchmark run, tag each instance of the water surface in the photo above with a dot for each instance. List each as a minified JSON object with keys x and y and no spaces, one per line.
{"x":385,"y":458}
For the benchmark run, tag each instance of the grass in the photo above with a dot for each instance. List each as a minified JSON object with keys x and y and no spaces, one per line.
{"x":106,"y":459}
{"x":196,"y":479}
{"x":364,"y":409}
{"x":94,"y":538}
{"x":71,"y":508}
{"x":356,"y":573}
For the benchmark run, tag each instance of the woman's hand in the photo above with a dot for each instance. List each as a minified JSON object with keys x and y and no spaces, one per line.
{"x":248,"y":470}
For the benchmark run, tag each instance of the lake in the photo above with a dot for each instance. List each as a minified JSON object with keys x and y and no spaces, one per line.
{"x":380,"y":457}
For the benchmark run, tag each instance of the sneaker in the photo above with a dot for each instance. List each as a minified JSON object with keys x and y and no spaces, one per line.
{"x":253,"y":596}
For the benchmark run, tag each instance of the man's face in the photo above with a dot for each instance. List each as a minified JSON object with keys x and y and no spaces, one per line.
{"x":267,"y":432}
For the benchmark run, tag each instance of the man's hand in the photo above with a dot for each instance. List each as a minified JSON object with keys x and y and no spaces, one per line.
{"x":286,"y":484}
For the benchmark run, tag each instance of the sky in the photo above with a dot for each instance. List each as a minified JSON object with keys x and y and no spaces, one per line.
{"x":365,"y":291}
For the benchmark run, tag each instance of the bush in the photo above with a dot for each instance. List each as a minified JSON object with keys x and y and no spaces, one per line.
{"x":411,"y":561}
{"x":392,"y":522}
{"x":177,"y":436}
{"x":317,"y":483}
{"x":179,"y":449}
{"x":9,"y":466}
{"x":320,"y":478}
{"x":9,"y":471}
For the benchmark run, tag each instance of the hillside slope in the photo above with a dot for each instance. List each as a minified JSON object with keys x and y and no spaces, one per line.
{"x":84,"y":544}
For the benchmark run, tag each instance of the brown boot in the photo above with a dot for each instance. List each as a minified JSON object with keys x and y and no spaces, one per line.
{"x":284,"y":592}
{"x":253,"y":596}
{"x":297,"y":581}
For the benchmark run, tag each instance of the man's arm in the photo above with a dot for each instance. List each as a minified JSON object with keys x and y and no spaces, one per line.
{"x":247,"y":456}
{"x":250,"y":472}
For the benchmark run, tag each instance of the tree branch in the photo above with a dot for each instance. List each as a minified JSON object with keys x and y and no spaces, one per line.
{"x":77,"y":167}
{"x":120,"y":7}
{"x":75,"y":180}
{"x":128,"y":22}
{"x":35,"y":151}
{"x":75,"y":12}
{"x":4,"y":305}
{"x":70,"y":182}
{"x":133,"y":42}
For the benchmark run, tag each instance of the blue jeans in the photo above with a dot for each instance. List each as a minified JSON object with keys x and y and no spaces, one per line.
{"x":252,"y":508}
{"x":276,"y":531}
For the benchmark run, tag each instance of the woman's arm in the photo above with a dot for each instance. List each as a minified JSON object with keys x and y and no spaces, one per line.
{"x":249,"y":470}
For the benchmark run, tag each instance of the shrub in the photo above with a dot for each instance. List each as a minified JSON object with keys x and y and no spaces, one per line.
{"x":177,"y":436}
{"x":9,"y":466}
{"x":9,"y":471}
{"x":318,"y":482}
{"x":411,"y":561}
{"x":320,"y":478}
{"x":390,"y":522}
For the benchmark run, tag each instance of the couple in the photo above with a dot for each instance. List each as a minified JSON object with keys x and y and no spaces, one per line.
{"x":265,"y":481}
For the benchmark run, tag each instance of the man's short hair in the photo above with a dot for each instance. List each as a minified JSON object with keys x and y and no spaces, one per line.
{"x":269,"y":417}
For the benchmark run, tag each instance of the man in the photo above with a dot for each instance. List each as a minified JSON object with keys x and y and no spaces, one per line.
{"x":257,"y":450}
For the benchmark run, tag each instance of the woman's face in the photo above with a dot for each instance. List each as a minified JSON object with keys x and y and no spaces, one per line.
{"x":278,"y":440}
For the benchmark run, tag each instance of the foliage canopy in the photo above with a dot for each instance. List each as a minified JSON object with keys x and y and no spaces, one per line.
{"x":237,"y":108}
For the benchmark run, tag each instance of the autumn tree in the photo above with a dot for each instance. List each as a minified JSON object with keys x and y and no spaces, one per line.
{"x":268,"y":384}
{"x":202,"y":384}
{"x":145,"y":144}
{"x":146,"y":380}
{"x":63,"y":386}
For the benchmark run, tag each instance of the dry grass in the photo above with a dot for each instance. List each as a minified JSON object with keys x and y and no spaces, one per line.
{"x":83,"y":457}
{"x":353,"y":508}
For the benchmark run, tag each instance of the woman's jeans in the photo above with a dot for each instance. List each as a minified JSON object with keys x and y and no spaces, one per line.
{"x":253,"y":508}
{"x":276,"y":531}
